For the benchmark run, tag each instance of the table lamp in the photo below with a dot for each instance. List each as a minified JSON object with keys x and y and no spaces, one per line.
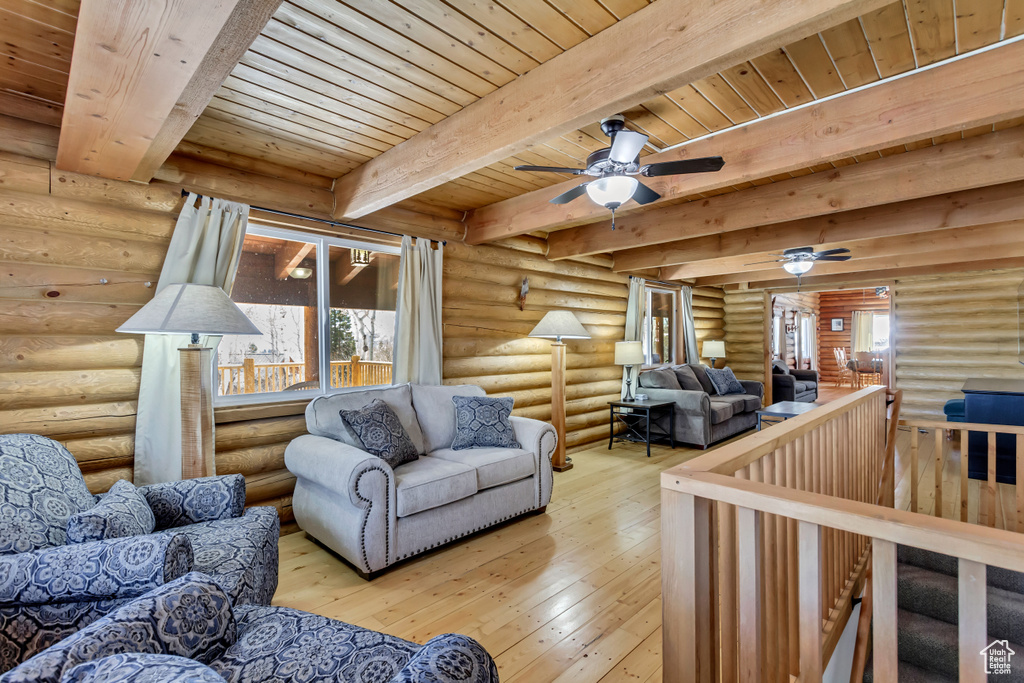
{"x":559,"y":325}
{"x":714,"y":350}
{"x":193,"y":310}
{"x":628,"y":354}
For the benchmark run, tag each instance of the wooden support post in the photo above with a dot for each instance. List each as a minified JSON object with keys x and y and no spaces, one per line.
{"x":883,"y":599}
{"x":196,"y":412}
{"x":913,"y":468}
{"x":988,"y":496}
{"x":249,"y":374}
{"x":311,"y":343}
{"x":940,"y":447}
{"x":973,"y":620}
{"x":809,"y":539}
{"x":357,"y":375}
{"x":559,"y":462}
{"x":686,"y":588}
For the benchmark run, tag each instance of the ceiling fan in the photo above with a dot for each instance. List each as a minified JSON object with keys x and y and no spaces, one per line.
{"x":615,"y":166}
{"x":799,"y":260}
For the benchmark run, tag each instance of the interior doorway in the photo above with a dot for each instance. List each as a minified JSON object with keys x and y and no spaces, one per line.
{"x":842,"y":339}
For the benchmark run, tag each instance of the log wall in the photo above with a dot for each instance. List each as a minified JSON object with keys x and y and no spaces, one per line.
{"x":708,"y":317}
{"x":842,"y":304}
{"x":745,"y":332}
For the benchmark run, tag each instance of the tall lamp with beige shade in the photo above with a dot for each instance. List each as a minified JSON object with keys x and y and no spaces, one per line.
{"x":713,"y":349}
{"x":628,"y":354}
{"x":559,"y":325}
{"x":193,"y":310}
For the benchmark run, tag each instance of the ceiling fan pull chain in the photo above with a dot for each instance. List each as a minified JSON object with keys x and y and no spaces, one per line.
{"x":613,"y":219}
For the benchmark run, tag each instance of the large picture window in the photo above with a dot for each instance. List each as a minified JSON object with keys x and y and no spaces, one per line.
{"x":326,"y":308}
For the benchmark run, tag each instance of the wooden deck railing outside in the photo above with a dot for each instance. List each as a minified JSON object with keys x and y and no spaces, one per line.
{"x":766,"y":540}
{"x":250,"y":377}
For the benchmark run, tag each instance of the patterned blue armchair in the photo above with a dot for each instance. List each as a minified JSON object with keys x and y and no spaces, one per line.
{"x":188,"y":631}
{"x":50,"y":588}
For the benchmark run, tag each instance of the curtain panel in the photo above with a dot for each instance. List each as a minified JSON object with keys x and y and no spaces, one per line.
{"x":688,"y":328}
{"x":205,"y":248}
{"x":636,"y":305}
{"x":862,"y":331}
{"x":418,"y":349}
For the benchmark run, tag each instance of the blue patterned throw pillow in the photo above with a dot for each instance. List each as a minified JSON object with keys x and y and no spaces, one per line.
{"x":381,"y":432}
{"x":482,"y":422}
{"x":121,"y":513}
{"x":724,"y":381}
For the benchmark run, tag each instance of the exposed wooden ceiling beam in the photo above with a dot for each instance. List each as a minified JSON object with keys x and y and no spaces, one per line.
{"x":877,"y":277}
{"x":979,"y":89}
{"x":1009,"y":249}
{"x":142,"y":73}
{"x":974,"y":239}
{"x":980,"y":206}
{"x":976,"y":162}
{"x":661,"y":47}
{"x":289,"y":257}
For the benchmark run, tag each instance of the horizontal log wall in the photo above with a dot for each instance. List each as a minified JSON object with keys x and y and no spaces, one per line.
{"x":842,"y":304}
{"x":950,"y":328}
{"x":745,"y":333}
{"x":708,"y":317}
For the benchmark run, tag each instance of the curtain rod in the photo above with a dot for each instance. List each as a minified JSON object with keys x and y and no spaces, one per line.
{"x":185,"y":193}
{"x":659,"y":282}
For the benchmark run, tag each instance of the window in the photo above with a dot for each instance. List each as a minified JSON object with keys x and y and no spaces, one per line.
{"x":326,"y":308}
{"x":660,"y":326}
{"x":880,"y":332}
{"x":778,"y":334}
{"x":807,"y":338}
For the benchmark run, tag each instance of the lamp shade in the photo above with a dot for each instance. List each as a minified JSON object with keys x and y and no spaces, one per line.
{"x":629,"y":353}
{"x":714,"y":349}
{"x":560,"y":325}
{"x":190,"y":309}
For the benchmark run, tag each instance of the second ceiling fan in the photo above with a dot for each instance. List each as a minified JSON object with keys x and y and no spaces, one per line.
{"x":615,"y":167}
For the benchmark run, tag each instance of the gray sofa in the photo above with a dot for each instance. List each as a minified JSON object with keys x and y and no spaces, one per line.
{"x":702,"y":416}
{"x":789,"y":384}
{"x":374,"y":516}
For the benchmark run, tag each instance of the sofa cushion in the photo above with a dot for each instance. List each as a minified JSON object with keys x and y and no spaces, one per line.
{"x":431,"y":482}
{"x":687,"y":380}
{"x":436,"y":412}
{"x":741,"y":403}
{"x":40,"y":488}
{"x":660,"y":378}
{"x":494,"y":466}
{"x":810,"y":384}
{"x":482,"y":422}
{"x":122,"y":512}
{"x":380,"y":432}
{"x":724,"y":381}
{"x":721,"y":411}
{"x":323,"y":414}
{"x":700,"y":372}
{"x":802,"y":386}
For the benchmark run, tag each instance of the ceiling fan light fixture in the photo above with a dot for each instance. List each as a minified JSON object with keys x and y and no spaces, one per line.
{"x":616,"y":189}
{"x":797,"y":267}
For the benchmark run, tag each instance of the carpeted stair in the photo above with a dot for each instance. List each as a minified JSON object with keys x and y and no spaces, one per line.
{"x":927,"y":596}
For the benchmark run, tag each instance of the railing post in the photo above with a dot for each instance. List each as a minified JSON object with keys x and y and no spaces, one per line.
{"x":883,"y":599}
{"x":748,"y":532}
{"x":973,"y":620}
{"x":686,"y":588}
{"x":809,"y":540}
{"x":249,"y":372}
{"x":357,"y":375}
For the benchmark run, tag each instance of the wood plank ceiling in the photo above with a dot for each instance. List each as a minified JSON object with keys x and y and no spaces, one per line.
{"x":329,"y":85}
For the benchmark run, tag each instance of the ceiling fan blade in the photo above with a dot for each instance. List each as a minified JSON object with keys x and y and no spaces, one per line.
{"x":626,"y":145}
{"x":831,"y":252}
{"x":572,"y":194}
{"x":644,"y":194}
{"x":757,"y":263}
{"x":833,"y":258}
{"x":551,"y":169}
{"x":701,"y":165}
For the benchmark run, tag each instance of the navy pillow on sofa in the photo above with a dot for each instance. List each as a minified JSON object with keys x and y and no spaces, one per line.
{"x":121,"y":513}
{"x":725,"y":381}
{"x":482,"y":422}
{"x":381,"y":432}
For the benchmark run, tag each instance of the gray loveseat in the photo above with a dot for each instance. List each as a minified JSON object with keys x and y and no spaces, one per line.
{"x":789,"y":384}
{"x":374,"y":516}
{"x":702,"y":416}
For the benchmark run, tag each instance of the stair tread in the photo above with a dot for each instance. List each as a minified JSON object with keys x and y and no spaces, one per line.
{"x":908,"y":673}
{"x":946,"y":564}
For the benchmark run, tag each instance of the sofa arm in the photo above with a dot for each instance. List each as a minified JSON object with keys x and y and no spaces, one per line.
{"x":541,"y":439}
{"x":97,"y":570}
{"x":190,"y":617}
{"x":687,"y":402}
{"x":805,"y":375}
{"x":137,"y":666}
{"x":336,"y":466}
{"x":449,"y":658}
{"x":753,"y":388}
{"x":179,"y":503}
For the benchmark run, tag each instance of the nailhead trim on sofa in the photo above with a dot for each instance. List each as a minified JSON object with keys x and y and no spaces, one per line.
{"x":366,"y":518}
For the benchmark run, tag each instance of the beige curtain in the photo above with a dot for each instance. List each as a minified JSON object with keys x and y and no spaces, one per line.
{"x":418,"y":350}
{"x":204,"y":249}
{"x":861,"y":332}
{"x":689,"y":330}
{"x":636,"y":310}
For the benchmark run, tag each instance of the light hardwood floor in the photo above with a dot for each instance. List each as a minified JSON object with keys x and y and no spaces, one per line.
{"x":570,"y":595}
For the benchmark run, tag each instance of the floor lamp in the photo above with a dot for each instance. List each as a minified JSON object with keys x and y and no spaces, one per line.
{"x":559,"y":325}
{"x":193,"y":310}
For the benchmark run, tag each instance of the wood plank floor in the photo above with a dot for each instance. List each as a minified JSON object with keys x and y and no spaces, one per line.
{"x":570,"y":595}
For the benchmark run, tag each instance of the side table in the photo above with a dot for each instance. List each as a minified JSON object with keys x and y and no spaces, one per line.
{"x":638,"y":416}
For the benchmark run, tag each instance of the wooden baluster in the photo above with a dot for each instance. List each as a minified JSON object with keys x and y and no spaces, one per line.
{"x":973,"y":620}
{"x":748,"y":532}
{"x":1020,"y":483}
{"x":883,"y":600}
{"x":965,"y":439}
{"x":771,"y":580}
{"x":792,"y":562}
{"x":727,"y":589}
{"x":940,"y":459}
{"x":686,"y":587}
{"x":782,"y":572}
{"x":357,"y":379}
{"x":810,"y":603}
{"x":249,"y":371}
{"x":913,"y":468}
{"x":989,"y":501}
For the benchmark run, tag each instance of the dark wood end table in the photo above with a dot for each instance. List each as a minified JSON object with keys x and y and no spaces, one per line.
{"x":638,"y":416}
{"x":782,"y":411}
